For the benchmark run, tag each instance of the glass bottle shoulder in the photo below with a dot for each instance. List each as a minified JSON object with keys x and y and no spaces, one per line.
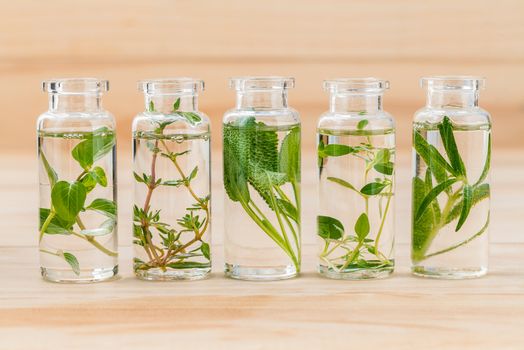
{"x":465,"y":118}
{"x":351,"y":122}
{"x":282,"y":117}
{"x":56,"y":122}
{"x":177,"y":123}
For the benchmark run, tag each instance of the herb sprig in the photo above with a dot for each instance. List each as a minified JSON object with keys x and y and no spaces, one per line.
{"x":445,"y":177}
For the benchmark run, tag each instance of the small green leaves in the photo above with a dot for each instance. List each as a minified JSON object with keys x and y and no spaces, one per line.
{"x":467,"y":201}
{"x":68,"y":199}
{"x":431,"y":157}
{"x":55,"y":225}
{"x":289,"y":155}
{"x":176,"y":105}
{"x":192,"y":117}
{"x":73,"y":262}
{"x":204,"y":248}
{"x":329,"y":228}
{"x":363,"y":123}
{"x":94,"y":147}
{"x":384,"y":168}
{"x":103,"y":206}
{"x":373,"y":188}
{"x":151,"y":106}
{"x":99,"y":176}
{"x":51,"y":173}
{"x":362,"y":227}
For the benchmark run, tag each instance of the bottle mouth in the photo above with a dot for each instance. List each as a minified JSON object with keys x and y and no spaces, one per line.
{"x":356,"y":85}
{"x":453,"y":82}
{"x":76,"y":86}
{"x":171,"y":86}
{"x":261,"y":83}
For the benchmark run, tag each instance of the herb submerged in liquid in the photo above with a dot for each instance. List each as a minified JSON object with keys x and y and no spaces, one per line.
{"x":253,"y":161}
{"x":444,"y":178}
{"x":176,"y":250}
{"x":360,"y":250}
{"x":68,"y":198}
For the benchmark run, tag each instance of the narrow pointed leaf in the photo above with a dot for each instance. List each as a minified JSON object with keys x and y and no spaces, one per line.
{"x":432,"y":195}
{"x":448,"y":140}
{"x":467,"y":201}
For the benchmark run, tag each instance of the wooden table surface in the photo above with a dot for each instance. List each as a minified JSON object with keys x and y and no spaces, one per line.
{"x":402,"y":312}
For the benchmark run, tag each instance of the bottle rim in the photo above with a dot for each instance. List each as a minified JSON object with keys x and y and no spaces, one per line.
{"x":261,"y":83}
{"x":453,"y":82}
{"x":356,"y":85}
{"x":179,"y":85}
{"x":75,"y":86}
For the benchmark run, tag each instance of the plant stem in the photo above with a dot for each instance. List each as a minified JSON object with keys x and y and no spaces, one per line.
{"x":46,"y":224}
{"x":95,"y":243}
{"x":377,"y":238}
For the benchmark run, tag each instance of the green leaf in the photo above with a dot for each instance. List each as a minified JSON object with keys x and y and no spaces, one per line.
{"x":99,"y":175}
{"x":176,"y":105}
{"x":103,"y":206}
{"x":174,"y":183}
{"x":480,"y":193}
{"x":204,"y":248}
{"x":362,"y":226}
{"x":373,"y":188}
{"x":94,"y":147}
{"x":57,"y":226}
{"x":151,"y":106}
{"x":88,"y":181}
{"x":329,"y":228}
{"x":487,"y":164}
{"x":68,"y":199}
{"x":188,"y":265}
{"x":73,"y":262}
{"x":448,"y":140}
{"x":289,"y":156}
{"x":432,"y":195}
{"x":467,"y":201}
{"x":363,"y":123}
{"x":105,"y":228}
{"x":288,"y":209}
{"x":384,"y":168}
{"x":191,"y":117}
{"x":421,"y":230}
{"x":432,"y":157}
{"x":336,"y":150}
{"x":342,"y":183}
{"x":51,"y":173}
{"x":193,"y":174}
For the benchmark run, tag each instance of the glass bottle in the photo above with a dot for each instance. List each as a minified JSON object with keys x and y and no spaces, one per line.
{"x":261,"y":157}
{"x":356,"y":162}
{"x":172,"y":188}
{"x":77,"y":176}
{"x":450,"y":208}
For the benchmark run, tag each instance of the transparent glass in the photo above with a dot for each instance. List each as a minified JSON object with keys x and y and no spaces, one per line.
{"x":172,"y":189}
{"x":262,"y":181}
{"x":356,"y":163}
{"x":450,"y":208}
{"x":77,"y":176}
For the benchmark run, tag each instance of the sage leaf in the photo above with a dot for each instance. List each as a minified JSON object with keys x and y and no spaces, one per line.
{"x":73,"y":262}
{"x":362,"y":226}
{"x":432,"y":195}
{"x":68,"y":199}
{"x":103,"y":206}
{"x":289,"y":155}
{"x":329,"y":228}
{"x":448,"y":140}
{"x":467,"y":201}
{"x":373,"y":188}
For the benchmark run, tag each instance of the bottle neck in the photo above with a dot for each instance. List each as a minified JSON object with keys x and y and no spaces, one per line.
{"x":165,"y":103}
{"x":368,"y":103}
{"x":452,"y":98}
{"x":69,"y":103}
{"x":262,"y":99}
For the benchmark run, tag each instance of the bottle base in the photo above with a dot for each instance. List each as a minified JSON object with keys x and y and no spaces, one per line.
{"x":157,"y":274}
{"x":256,"y":273}
{"x":356,"y":274}
{"x":85,"y":276}
{"x":449,"y":273}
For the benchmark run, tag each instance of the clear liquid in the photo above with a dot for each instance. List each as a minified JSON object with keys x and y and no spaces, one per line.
{"x":172,"y":251}
{"x":250,"y":252}
{"x":96,"y":254}
{"x":345,"y":256}
{"x":448,"y":253}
